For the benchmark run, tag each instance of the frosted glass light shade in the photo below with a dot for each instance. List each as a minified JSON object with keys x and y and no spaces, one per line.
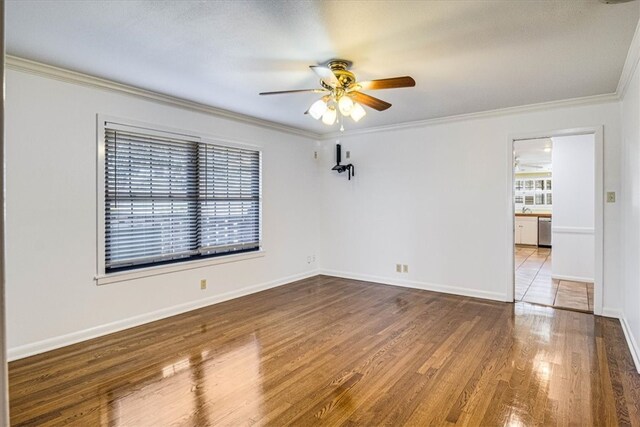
{"x":357,"y":112}
{"x":329,"y":116}
{"x":345,"y":104}
{"x":317,"y":109}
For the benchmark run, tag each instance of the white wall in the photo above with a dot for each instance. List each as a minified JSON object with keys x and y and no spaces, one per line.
{"x":432,"y":197}
{"x":629,"y":200}
{"x":52,"y":298}
{"x":573,"y":208}
{"x":436,"y":198}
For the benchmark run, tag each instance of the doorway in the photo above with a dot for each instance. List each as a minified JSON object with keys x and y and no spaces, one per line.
{"x":556,"y":219}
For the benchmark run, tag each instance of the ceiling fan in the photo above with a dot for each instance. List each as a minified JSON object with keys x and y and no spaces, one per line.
{"x":343,"y":93}
{"x":519,"y":166}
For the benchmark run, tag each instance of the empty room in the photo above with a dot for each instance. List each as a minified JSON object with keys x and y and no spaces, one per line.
{"x":359,"y":213}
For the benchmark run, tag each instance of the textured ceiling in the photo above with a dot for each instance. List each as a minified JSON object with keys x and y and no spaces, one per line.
{"x":466,"y":56}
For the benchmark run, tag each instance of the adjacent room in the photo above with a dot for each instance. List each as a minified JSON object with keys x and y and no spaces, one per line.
{"x":554,"y":202}
{"x":356,"y":213}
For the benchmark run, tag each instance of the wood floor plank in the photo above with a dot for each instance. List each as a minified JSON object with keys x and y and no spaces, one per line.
{"x":331,"y":351}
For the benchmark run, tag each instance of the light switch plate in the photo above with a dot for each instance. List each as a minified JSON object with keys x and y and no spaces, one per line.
{"x":398,"y":268}
{"x":611,"y":196}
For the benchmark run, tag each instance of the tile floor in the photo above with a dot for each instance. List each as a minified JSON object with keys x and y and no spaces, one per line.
{"x":534,"y":283}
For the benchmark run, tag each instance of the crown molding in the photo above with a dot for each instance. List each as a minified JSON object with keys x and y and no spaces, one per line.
{"x":38,"y":68}
{"x":630,"y":64}
{"x":573,"y":102}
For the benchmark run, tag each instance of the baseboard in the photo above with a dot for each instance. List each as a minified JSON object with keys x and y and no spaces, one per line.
{"x":611,"y":312}
{"x":573,"y":278}
{"x":631,"y":342}
{"x":48,"y":344}
{"x":455,"y":290}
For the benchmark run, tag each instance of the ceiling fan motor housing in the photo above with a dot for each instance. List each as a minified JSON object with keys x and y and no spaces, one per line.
{"x":340,"y":70}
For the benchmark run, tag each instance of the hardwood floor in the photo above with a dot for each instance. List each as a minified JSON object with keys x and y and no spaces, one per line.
{"x":534,"y":283}
{"x":340,"y":352}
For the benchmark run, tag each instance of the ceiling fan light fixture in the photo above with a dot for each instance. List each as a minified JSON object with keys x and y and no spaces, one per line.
{"x":345,"y":104}
{"x":329,"y":116}
{"x":357,"y":112}
{"x":342,"y":96}
{"x":317,"y":109}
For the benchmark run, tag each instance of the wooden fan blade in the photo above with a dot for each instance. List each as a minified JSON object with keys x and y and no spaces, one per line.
{"x":370,"y":101}
{"x":391,"y":83}
{"x":294,"y":91}
{"x":326,"y":75}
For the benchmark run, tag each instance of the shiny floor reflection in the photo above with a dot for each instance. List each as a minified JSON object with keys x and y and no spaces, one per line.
{"x":196,"y":390}
{"x":334,"y":351}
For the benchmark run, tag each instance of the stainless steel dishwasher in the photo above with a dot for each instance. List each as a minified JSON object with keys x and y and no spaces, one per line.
{"x":544,"y":232}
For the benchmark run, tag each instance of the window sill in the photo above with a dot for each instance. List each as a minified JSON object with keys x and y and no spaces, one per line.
{"x":165,"y":269}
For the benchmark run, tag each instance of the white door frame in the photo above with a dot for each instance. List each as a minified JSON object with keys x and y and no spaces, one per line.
{"x":597,"y":131}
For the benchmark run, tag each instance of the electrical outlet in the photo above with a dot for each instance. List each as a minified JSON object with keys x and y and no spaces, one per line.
{"x":308,"y":260}
{"x":398,"y":268}
{"x":313,"y":258}
{"x":203,"y":284}
{"x":405,"y":268}
{"x":611,"y":196}
{"x":348,"y":155}
{"x":315,"y":154}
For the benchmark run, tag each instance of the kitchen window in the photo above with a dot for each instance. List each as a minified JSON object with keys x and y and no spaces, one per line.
{"x":171,"y":198}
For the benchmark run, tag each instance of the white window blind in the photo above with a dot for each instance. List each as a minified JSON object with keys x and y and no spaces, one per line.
{"x":170,"y":199}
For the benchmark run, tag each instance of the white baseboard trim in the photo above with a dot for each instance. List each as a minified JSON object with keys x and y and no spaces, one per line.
{"x":572,"y":278}
{"x":455,"y":290}
{"x":631,"y":342}
{"x":611,"y":312}
{"x":48,"y":344}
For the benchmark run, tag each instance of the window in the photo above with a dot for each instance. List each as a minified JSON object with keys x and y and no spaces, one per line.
{"x":171,"y":198}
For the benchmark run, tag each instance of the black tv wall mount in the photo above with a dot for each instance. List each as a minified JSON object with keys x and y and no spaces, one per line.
{"x":343,"y":168}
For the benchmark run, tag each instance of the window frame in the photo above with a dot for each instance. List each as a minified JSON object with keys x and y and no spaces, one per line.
{"x":102,"y":277}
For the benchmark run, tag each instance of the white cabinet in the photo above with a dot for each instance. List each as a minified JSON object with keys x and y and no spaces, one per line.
{"x":526,"y":230}
{"x":532,"y":191}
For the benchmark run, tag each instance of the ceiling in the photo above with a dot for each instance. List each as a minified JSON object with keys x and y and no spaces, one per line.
{"x":535,"y":152}
{"x":466,"y":56}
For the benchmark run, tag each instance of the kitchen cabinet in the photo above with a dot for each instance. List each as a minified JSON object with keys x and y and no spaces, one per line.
{"x":532,"y":192}
{"x":526,"y":230}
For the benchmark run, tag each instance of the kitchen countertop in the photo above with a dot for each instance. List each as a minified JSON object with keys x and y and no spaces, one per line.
{"x":542,"y":215}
